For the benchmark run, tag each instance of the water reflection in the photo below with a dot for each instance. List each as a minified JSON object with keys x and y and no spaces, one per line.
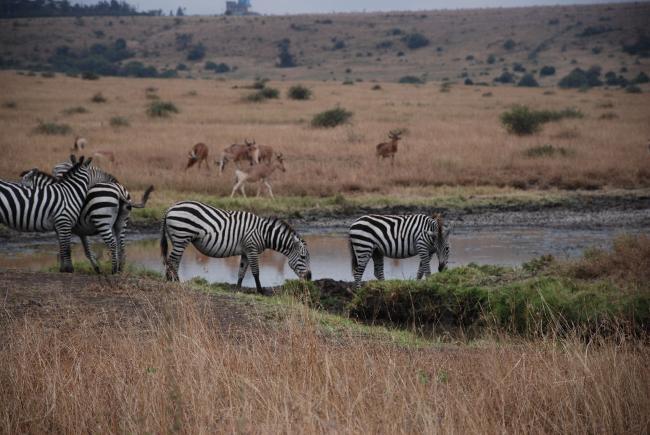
{"x":330,"y":256}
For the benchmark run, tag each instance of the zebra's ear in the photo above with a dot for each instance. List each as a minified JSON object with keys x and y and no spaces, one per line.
{"x":296,"y":239}
{"x":73,"y":159}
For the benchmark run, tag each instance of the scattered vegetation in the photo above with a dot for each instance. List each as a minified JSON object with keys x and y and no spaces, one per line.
{"x":98,"y":98}
{"x":579,"y":78}
{"x":414,"y":80}
{"x":161,"y":109}
{"x":218,"y":68}
{"x":10,"y":104}
{"x":196,"y":52}
{"x":547,"y":70}
{"x":299,"y":92}
{"x":528,"y":81}
{"x":75,"y":110}
{"x":521,"y":120}
{"x":547,"y":150}
{"x":415,"y":40}
{"x":119,"y":121}
{"x":263,"y":94}
{"x":285,"y":58}
{"x":52,"y":128}
{"x":331,"y":118}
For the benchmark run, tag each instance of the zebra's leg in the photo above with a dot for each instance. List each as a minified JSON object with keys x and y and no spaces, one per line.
{"x":106,"y":232}
{"x":174,"y":260}
{"x":119,"y":229}
{"x":378,"y":262}
{"x":89,"y":254}
{"x":360,"y":267}
{"x":424,"y":269}
{"x":243,"y":267}
{"x":64,"y":233}
{"x":253,"y":259}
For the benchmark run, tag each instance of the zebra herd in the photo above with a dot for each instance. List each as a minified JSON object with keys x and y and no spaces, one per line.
{"x":84,"y":200}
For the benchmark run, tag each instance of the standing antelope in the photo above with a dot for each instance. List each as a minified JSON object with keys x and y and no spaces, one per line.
{"x":258,"y":174}
{"x":389,"y":149}
{"x":198,"y":154}
{"x":237,"y":153}
{"x":79,"y":144}
{"x":260,"y":153}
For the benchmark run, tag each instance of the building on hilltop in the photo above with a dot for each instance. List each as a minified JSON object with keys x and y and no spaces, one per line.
{"x":239,"y":7}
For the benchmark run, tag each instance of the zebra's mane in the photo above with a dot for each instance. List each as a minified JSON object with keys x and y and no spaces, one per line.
{"x":440,"y":222}
{"x":274,"y":221}
{"x":42,"y":174}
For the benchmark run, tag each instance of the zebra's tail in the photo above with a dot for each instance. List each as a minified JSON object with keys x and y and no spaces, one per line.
{"x":163,"y":240}
{"x":145,"y":198}
{"x":353,"y":255}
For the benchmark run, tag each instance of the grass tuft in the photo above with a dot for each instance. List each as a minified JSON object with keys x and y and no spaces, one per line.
{"x":331,"y":118}
{"x":161,"y":109}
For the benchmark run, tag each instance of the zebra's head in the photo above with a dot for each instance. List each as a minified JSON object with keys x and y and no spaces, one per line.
{"x":440,"y":238}
{"x":35,"y":178}
{"x":299,"y":258}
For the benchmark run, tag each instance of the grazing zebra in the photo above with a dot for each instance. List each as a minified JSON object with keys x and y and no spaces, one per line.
{"x":224,"y":233}
{"x":105,"y":211}
{"x":55,"y":207}
{"x":376,"y":237}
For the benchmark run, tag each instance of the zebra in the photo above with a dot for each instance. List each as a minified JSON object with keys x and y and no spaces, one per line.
{"x":55,"y":207}
{"x":225,"y":233}
{"x":377,"y":236}
{"x":105,"y":211}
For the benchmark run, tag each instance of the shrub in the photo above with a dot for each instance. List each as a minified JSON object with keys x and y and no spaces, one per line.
{"x":517,"y":67}
{"x":10,"y":104}
{"x":642,"y":77}
{"x":528,"y":81}
{"x":509,"y":44}
{"x":74,"y":110}
{"x":209,"y":65}
{"x":161,"y":109}
{"x":331,"y":118}
{"x":138,"y":69}
{"x":348,"y":82}
{"x":546,"y":151}
{"x":119,"y":121}
{"x":376,"y":88}
{"x":48,"y":74}
{"x":469,"y":82}
{"x":89,"y":75}
{"x":547,"y":70}
{"x":521,"y":120}
{"x":383,"y":45}
{"x":270,"y":93}
{"x":611,"y":79}
{"x":411,"y":80}
{"x":181,"y":67}
{"x":641,"y":47}
{"x":505,"y":78}
{"x":51,"y":128}
{"x":196,"y":52}
{"x":415,"y":40}
{"x":285,"y":58}
{"x":633,"y":89}
{"x":579,"y":78}
{"x":608,"y":116}
{"x":98,"y":98}
{"x":491,"y":59}
{"x":299,"y":92}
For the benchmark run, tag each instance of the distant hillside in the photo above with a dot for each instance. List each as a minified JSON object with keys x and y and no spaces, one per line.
{"x":456,"y":45}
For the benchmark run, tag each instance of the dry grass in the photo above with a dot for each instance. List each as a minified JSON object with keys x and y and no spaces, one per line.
{"x":177,"y":372}
{"x":453,"y":138}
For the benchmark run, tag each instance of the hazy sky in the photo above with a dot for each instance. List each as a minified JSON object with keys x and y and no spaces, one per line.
{"x":320,"y":6}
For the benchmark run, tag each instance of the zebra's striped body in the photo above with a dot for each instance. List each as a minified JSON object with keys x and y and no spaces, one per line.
{"x":376,"y":237}
{"x":224,"y":233}
{"x":55,"y":207}
{"x":105,"y":211}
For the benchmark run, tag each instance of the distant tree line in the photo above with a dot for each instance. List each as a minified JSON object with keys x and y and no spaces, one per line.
{"x":64,"y":8}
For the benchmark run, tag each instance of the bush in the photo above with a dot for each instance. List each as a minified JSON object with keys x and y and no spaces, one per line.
{"x":270,"y":92}
{"x":611,"y":79}
{"x":10,"y":104}
{"x":48,"y":74}
{"x":505,"y":78}
{"x":299,"y":92}
{"x":88,"y":75}
{"x":521,"y":120}
{"x":376,"y":88}
{"x":51,"y":128}
{"x":331,"y":118}
{"x":98,"y":98}
{"x":642,"y":77}
{"x":509,"y":44}
{"x":528,"y":81}
{"x":196,"y":52}
{"x":579,"y":78}
{"x":517,"y":67}
{"x":75,"y":110}
{"x":491,"y":59}
{"x":411,"y":80}
{"x":641,"y":47}
{"x":546,"y":151}
{"x":285,"y":58}
{"x":119,"y":121}
{"x":547,"y":70}
{"x":263,"y":94}
{"x":469,"y":82}
{"x":633,"y":89}
{"x":415,"y":41}
{"x":138,"y":69}
{"x":161,"y":109}
{"x":218,"y":68}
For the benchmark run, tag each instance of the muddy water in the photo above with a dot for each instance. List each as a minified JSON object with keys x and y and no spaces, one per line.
{"x":329,"y":254}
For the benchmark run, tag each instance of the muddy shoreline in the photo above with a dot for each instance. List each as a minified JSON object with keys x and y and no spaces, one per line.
{"x":580,"y":212}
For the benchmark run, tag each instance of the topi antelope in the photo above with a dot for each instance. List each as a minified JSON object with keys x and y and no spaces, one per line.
{"x":260,"y":153}
{"x":237,"y":153}
{"x":258,"y":174}
{"x":389,"y":149}
{"x":198,"y":154}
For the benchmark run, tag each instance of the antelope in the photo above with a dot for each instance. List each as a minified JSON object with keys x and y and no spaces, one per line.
{"x":258,"y":174}
{"x":79,"y":144}
{"x":260,"y":153}
{"x":199,"y":154}
{"x":236,"y":153}
{"x":389,"y":149}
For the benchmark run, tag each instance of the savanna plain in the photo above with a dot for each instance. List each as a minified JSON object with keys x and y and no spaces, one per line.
{"x":552,"y":346}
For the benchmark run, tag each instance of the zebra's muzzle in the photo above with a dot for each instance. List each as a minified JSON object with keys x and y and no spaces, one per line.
{"x":441,"y":267}
{"x":307,"y":275}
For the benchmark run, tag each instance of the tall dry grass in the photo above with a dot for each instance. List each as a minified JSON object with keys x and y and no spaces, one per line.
{"x":179,"y":372}
{"x":452,"y":138}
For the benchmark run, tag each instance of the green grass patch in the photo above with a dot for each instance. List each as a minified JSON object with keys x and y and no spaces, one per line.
{"x":547,"y":150}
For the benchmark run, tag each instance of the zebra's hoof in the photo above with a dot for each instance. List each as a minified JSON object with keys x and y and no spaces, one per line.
{"x":66,"y":269}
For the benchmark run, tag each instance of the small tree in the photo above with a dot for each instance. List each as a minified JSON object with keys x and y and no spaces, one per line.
{"x":299,"y":92}
{"x":521,"y":120}
{"x":196,"y":53}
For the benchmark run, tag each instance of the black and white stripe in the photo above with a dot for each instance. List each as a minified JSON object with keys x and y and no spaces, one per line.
{"x":376,"y":237}
{"x":105,"y":211}
{"x":224,"y":233}
{"x":55,"y":207}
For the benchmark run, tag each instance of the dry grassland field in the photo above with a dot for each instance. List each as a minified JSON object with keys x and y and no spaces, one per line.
{"x":550,"y":345}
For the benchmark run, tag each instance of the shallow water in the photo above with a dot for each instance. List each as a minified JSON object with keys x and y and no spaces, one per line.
{"x":330,"y":256}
